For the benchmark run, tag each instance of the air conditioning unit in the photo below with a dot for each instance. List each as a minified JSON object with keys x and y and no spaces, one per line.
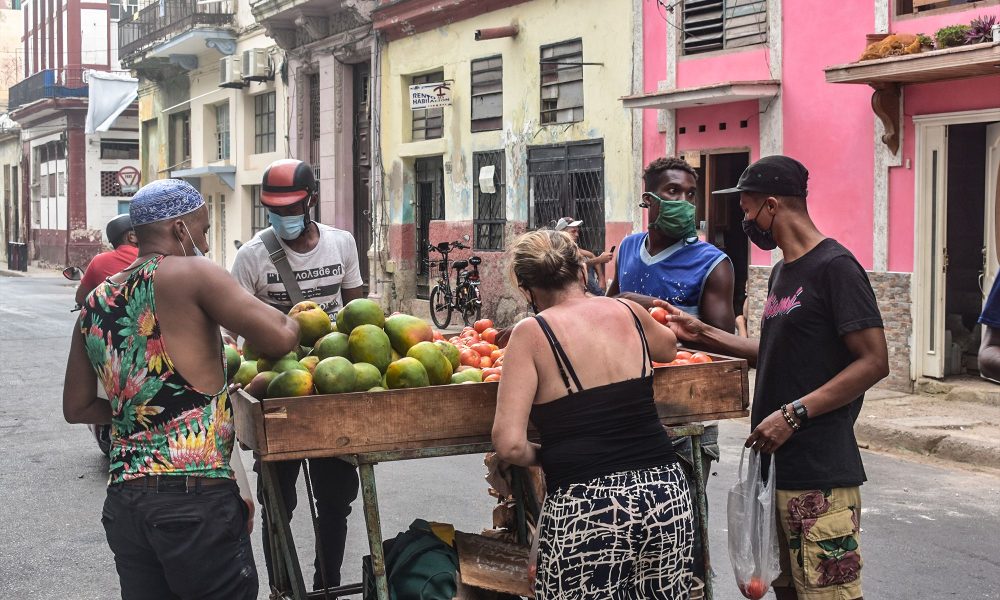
{"x":230,"y":72}
{"x":256,"y":65}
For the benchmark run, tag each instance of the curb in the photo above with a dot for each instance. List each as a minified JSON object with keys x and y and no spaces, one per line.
{"x":881,"y":436}
{"x":7,"y":273}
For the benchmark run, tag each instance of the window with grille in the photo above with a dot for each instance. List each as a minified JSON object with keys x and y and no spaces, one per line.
{"x":487,"y":94}
{"x":180,"y":138}
{"x":428,"y":123}
{"x":110,"y":186}
{"x":562,"y":82}
{"x":567,"y":180}
{"x":489,"y":213}
{"x":121,"y":9}
{"x":222,"y":131}
{"x":120,"y":149}
{"x":258,"y":212}
{"x":720,"y":24}
{"x":314,"y":118}
{"x":264,"y":123}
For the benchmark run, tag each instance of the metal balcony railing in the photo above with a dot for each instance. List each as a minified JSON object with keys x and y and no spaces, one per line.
{"x":69,"y":82}
{"x":163,"y":19}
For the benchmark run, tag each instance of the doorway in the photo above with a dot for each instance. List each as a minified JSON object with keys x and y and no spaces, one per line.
{"x":720,"y":217}
{"x":362,"y":168}
{"x":429,"y":176}
{"x":958,"y":159}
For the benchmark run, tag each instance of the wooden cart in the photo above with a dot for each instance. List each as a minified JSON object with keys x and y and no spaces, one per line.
{"x":371,"y":427}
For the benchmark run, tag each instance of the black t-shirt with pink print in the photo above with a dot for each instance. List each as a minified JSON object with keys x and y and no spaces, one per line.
{"x":812,"y":303}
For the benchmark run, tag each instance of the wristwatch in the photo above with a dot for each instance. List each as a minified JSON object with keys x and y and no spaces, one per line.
{"x":801,"y":412}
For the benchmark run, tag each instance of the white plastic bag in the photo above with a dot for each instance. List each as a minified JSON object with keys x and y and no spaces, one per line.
{"x":753,"y":535}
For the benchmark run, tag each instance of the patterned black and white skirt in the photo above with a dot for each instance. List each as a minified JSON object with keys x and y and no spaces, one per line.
{"x":627,"y":535}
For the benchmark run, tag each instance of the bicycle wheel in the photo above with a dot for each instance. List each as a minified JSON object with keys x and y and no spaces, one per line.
{"x":470,"y":304}
{"x":440,"y":307}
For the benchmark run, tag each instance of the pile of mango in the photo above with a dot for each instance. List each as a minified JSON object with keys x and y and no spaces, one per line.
{"x":363,"y":351}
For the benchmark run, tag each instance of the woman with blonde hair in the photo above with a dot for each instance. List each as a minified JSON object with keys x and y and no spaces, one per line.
{"x":617,"y":519}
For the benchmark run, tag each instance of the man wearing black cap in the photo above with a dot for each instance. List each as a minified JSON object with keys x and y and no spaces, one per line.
{"x":104,"y":265}
{"x":822,"y":346}
{"x":298,"y":256}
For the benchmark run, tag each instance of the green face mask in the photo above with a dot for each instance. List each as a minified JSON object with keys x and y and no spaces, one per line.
{"x":675,"y":219}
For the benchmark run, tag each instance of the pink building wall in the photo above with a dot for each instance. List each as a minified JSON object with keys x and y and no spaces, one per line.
{"x":829,"y":127}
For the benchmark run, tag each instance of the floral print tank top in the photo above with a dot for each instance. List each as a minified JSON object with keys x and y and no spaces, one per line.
{"x":160,"y":424}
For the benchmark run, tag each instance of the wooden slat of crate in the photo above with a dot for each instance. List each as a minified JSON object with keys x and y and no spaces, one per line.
{"x":493,"y":564}
{"x":393,"y":420}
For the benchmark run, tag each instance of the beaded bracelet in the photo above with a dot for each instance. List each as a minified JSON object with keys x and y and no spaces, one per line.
{"x":788,"y":418}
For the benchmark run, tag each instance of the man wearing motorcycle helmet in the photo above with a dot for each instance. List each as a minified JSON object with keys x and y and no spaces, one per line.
{"x":104,"y":265}
{"x":324,"y":261}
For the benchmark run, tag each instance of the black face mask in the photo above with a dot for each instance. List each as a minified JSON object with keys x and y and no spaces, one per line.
{"x":760,"y":238}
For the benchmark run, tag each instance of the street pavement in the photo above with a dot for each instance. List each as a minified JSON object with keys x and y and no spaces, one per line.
{"x":929,"y":530}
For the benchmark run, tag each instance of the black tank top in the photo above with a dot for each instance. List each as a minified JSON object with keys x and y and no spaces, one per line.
{"x":603,"y":430}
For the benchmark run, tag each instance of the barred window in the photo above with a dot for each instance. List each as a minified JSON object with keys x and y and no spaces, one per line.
{"x":487,"y":94}
{"x":258,"y":212}
{"x":222,"y":131}
{"x":264,"y":123}
{"x":489,"y":210}
{"x":715,"y":24}
{"x":562,"y":82}
{"x":110,"y":186}
{"x":567,"y":180}
{"x":120,"y":149}
{"x":428,"y":123}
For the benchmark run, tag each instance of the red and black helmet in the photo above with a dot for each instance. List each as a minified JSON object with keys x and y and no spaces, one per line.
{"x":286,"y":182}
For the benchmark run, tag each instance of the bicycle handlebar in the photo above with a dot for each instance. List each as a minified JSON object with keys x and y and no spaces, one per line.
{"x":456,"y":245}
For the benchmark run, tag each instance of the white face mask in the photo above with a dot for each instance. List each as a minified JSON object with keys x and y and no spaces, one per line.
{"x":197,"y":251}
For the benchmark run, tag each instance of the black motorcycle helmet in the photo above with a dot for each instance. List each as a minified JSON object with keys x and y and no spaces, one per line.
{"x":117,"y":228}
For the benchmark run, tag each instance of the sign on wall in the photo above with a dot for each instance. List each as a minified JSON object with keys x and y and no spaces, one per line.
{"x":430,"y":95}
{"x":128,"y":179}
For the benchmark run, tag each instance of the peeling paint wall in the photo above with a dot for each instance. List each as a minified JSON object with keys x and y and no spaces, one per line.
{"x":606,"y":31}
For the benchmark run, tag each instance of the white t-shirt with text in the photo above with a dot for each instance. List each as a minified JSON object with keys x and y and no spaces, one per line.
{"x":321,"y":273}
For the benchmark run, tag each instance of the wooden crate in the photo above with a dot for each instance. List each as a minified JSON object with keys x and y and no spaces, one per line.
{"x":434,"y":417}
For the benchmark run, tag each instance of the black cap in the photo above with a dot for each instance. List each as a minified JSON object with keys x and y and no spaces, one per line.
{"x":776,"y":175}
{"x":118,"y":227}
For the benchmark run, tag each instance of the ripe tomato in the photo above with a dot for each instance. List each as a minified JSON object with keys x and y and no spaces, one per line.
{"x":496,"y":354}
{"x":455,"y":340}
{"x":489,"y":335}
{"x":754,"y":589}
{"x":485,"y":362}
{"x":491,"y":371}
{"x":483,"y":348}
{"x":679,"y":361}
{"x":660,"y":314}
{"x":491,"y":378}
{"x":700,"y":357}
{"x":437,"y":335}
{"x":683,"y":354}
{"x":482,"y":325}
{"x":471,"y":337}
{"x":656,"y":364}
{"x":468,"y":356}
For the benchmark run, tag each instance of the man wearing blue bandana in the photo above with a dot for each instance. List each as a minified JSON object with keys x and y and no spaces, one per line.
{"x":668,"y":262}
{"x":324,"y":263}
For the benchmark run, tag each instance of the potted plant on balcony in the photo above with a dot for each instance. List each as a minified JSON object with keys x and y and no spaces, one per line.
{"x":951,"y":36}
{"x":981,"y":30}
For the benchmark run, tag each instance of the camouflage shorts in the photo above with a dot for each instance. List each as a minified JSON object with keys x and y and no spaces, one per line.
{"x":820,"y":543}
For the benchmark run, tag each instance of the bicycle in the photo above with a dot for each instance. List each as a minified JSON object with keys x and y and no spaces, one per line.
{"x":465,"y":298}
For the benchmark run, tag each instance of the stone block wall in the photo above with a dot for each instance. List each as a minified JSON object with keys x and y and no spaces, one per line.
{"x":892,"y":290}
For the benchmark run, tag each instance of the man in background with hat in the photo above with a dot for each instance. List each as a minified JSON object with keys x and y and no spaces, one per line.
{"x":821,"y":347}
{"x":297,"y":256}
{"x":596,"y":282}
{"x":173,"y":516}
{"x":104,"y":265}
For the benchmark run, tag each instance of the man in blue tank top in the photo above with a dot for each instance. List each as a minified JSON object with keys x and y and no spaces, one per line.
{"x":668,"y":262}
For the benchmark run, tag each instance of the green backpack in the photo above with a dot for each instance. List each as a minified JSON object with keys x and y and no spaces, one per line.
{"x":418,"y":564}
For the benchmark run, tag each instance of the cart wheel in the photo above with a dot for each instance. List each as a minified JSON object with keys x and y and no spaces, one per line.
{"x":440,"y":308}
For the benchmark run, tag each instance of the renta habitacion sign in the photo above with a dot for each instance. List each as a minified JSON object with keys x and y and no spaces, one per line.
{"x":430,"y":95}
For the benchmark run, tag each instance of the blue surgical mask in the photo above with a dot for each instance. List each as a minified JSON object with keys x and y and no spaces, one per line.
{"x":287,"y":228}
{"x":197,"y":251}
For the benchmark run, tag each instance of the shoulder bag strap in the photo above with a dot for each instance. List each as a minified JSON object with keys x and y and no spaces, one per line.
{"x":276,"y":252}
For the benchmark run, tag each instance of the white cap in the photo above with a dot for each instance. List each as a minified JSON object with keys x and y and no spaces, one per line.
{"x":565,"y":222}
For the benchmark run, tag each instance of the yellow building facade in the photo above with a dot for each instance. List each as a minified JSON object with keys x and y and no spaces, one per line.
{"x":539,"y":102}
